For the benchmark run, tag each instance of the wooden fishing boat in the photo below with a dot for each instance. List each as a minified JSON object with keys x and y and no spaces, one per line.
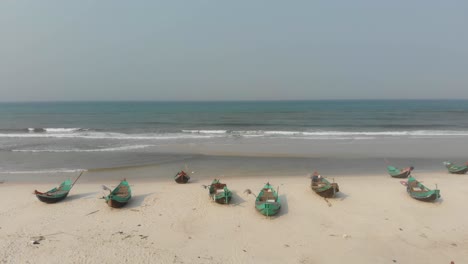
{"x":455,"y":169}
{"x":267,"y":201}
{"x":399,"y":173}
{"x":120,"y":195}
{"x":219,"y":192}
{"x":323,"y":187}
{"x":181,"y":177}
{"x":56,"y":194}
{"x":420,"y":192}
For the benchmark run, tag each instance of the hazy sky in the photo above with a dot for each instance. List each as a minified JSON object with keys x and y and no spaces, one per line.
{"x":232,"y":50}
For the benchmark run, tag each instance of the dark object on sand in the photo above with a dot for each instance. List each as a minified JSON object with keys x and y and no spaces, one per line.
{"x":399,"y":173}
{"x":58,"y":193}
{"x":268,"y":202}
{"x":181,"y":177}
{"x":420,"y":192}
{"x":120,"y":195}
{"x":219,"y":192}
{"x":323,"y":187}
{"x":455,"y":169}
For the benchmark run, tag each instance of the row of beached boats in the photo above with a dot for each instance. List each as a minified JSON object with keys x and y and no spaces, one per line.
{"x":267,"y":202}
{"x":117,"y":197}
{"x":416,"y":189}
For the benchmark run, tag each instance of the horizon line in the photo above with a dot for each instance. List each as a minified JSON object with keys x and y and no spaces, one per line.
{"x":227,"y":100}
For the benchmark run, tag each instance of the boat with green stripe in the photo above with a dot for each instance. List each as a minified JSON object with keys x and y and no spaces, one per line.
{"x":456,"y":169}
{"x":267,"y":201}
{"x":120,"y":195}
{"x":219,"y":192}
{"x":399,"y":173}
{"x":420,"y":192}
{"x":323,"y":187}
{"x":58,"y":193}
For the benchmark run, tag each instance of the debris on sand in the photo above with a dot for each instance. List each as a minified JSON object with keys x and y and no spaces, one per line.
{"x":93,"y":212}
{"x":37,"y":240}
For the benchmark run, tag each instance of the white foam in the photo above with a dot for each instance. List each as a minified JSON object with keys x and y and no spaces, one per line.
{"x":353,"y":133}
{"x":106,"y":135}
{"x":44,"y":171}
{"x":205,"y":131}
{"x":206,"y":134}
{"x":123,"y":148}
{"x":61,"y":130}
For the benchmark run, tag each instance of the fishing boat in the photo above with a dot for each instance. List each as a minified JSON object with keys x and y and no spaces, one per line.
{"x":219,"y":192}
{"x":399,"y":173}
{"x":267,"y":201}
{"x":323,"y":187}
{"x":453,"y":168}
{"x":181,"y":177}
{"x":120,"y":195}
{"x":420,"y":192}
{"x":56,"y":194}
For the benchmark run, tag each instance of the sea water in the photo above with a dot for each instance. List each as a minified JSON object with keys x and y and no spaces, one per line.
{"x":68,"y":136}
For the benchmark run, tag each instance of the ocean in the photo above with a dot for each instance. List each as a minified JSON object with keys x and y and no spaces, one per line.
{"x":70,"y":136}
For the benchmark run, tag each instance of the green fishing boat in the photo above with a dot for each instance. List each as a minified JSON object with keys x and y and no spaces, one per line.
{"x":399,"y":173}
{"x":56,"y":194}
{"x":120,"y":195}
{"x":453,"y":168}
{"x":420,"y":192}
{"x":323,"y":187}
{"x":267,"y":201}
{"x":219,"y":192}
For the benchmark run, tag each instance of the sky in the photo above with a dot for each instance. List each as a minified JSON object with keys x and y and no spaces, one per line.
{"x":233,"y":50}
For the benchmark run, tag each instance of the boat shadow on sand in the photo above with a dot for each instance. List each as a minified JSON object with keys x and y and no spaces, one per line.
{"x":138,"y":200}
{"x":340,"y":196}
{"x":284,"y":210}
{"x":78,"y":196}
{"x":237,"y":200}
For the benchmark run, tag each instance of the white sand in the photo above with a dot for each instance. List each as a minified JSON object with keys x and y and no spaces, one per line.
{"x":372,"y":221}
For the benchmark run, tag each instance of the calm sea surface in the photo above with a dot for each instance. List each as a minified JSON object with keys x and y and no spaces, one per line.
{"x":66,"y":132}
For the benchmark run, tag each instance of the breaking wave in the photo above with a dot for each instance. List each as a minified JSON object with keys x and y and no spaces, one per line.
{"x":206,"y":134}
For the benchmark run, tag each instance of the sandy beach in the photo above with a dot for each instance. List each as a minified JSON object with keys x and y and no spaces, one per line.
{"x":372,"y":220}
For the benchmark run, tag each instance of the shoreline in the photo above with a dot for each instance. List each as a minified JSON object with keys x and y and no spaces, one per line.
{"x":208,"y":167}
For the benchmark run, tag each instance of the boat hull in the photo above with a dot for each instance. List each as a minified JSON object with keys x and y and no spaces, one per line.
{"x":402,"y":175}
{"x":267,"y":208}
{"x":222,"y":200}
{"x":398,"y":173}
{"x":427,"y":197}
{"x":50,"y":199}
{"x":219,"y":192}
{"x":182,"y":179}
{"x":328,"y":193}
{"x":120,"y":196}
{"x":116,"y":204}
{"x":462,"y":171}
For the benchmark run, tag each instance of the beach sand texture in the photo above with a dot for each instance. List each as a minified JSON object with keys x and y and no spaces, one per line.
{"x":373,"y":220}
